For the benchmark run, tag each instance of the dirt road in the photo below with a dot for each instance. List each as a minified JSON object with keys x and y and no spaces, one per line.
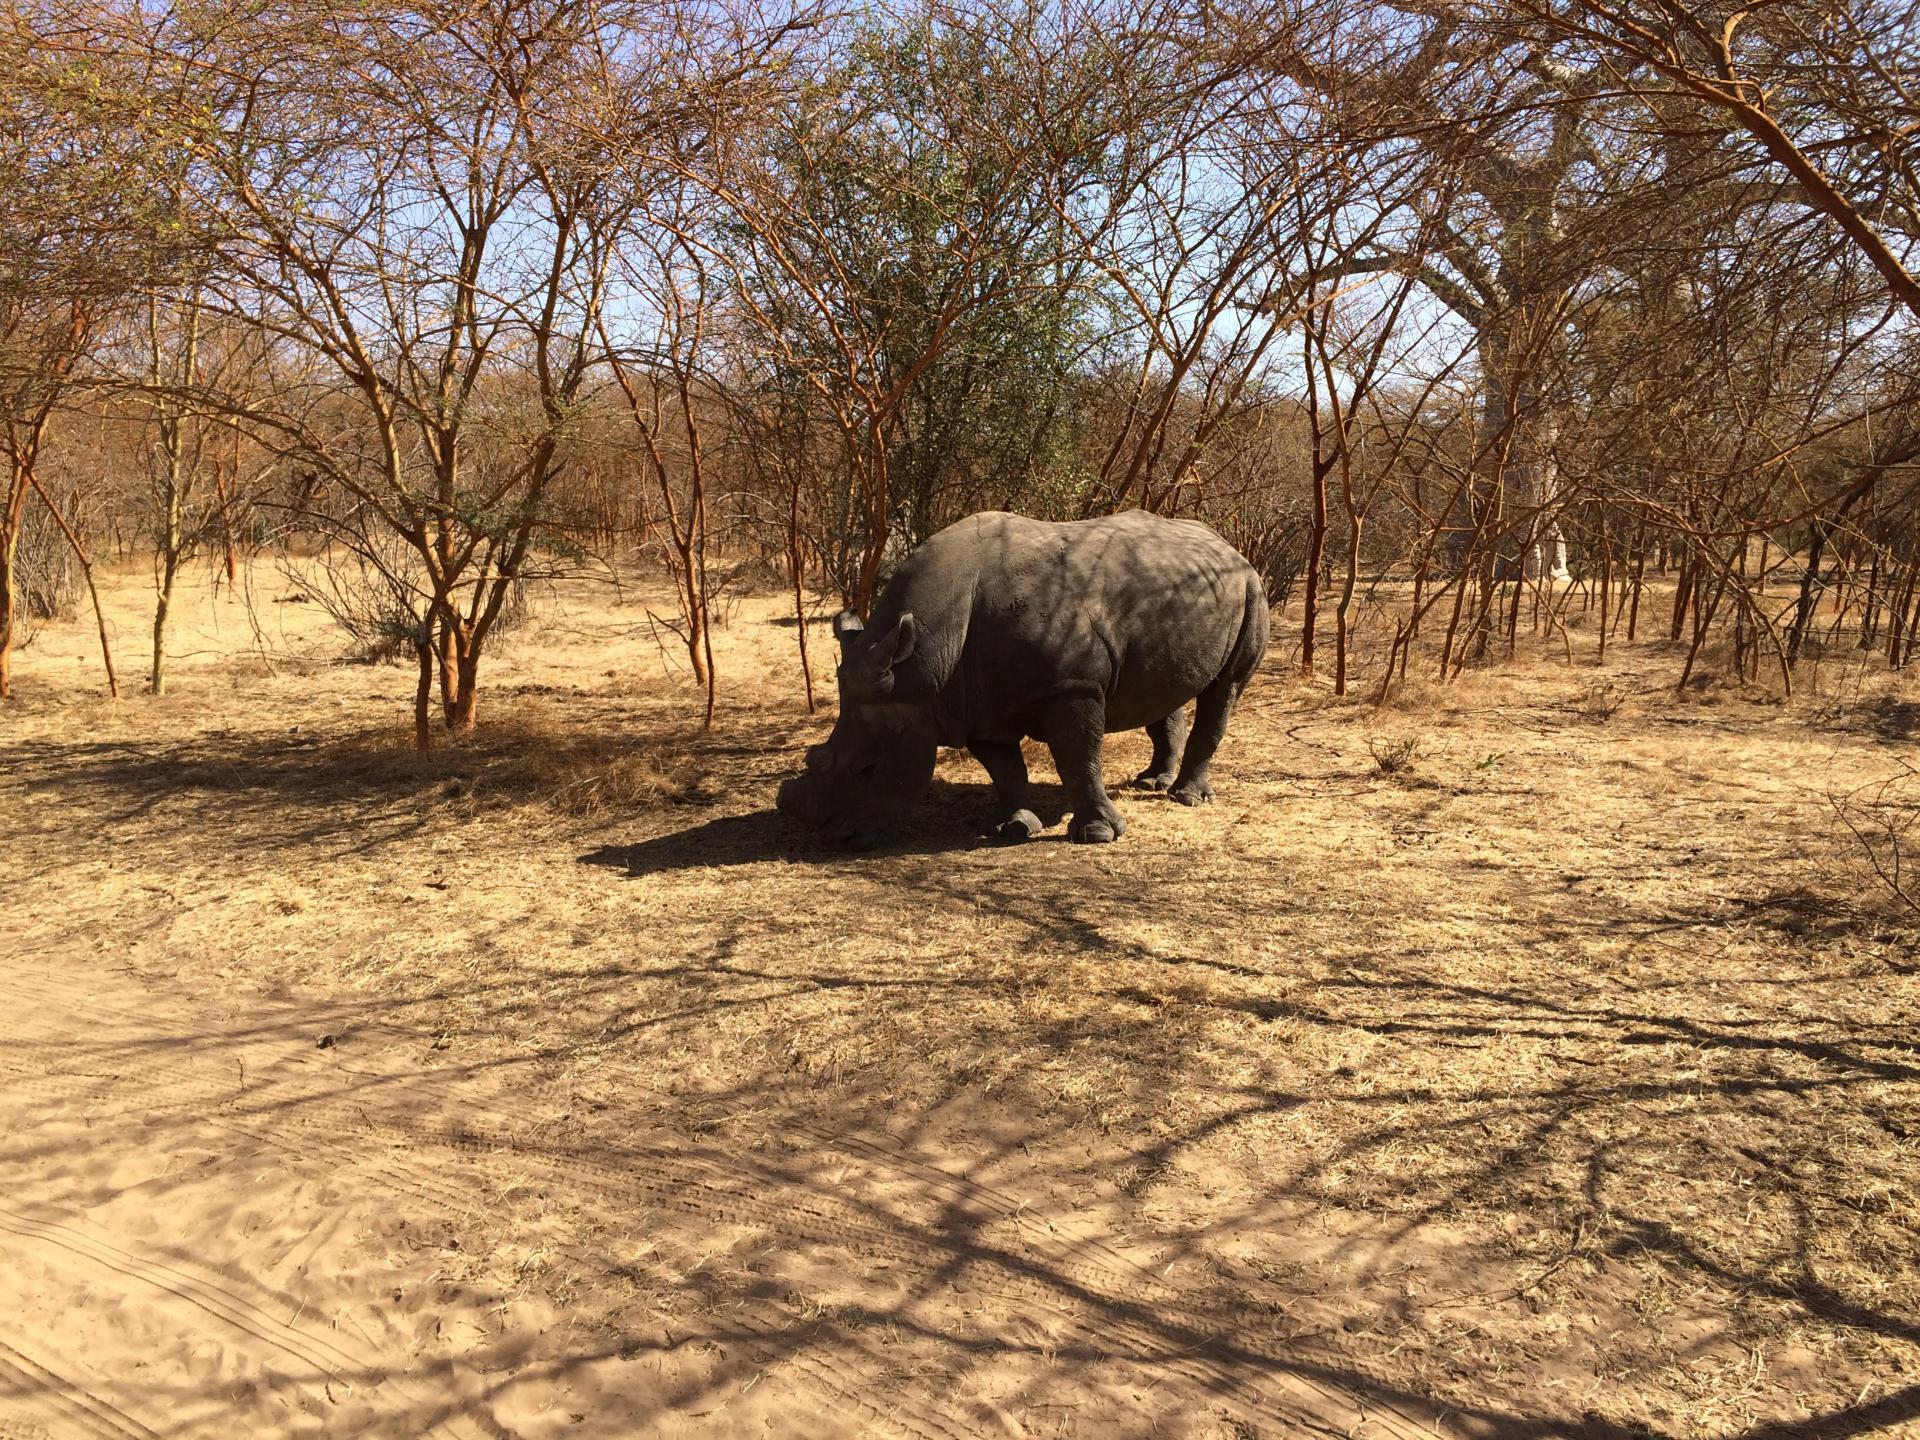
{"x":227,"y":1220}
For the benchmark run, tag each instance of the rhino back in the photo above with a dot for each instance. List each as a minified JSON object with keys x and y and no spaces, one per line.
{"x":1014,"y":613}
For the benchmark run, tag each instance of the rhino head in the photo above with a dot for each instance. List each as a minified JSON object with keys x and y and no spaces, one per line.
{"x":874,"y":767}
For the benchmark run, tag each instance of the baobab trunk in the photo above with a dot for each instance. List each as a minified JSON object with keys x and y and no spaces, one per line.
{"x":1533,"y":488}
{"x":1516,"y":481}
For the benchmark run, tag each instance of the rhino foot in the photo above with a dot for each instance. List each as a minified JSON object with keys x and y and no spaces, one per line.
{"x":1194,"y":792}
{"x":1096,"y":829}
{"x":1019,"y":826}
{"x":1154,"y":780}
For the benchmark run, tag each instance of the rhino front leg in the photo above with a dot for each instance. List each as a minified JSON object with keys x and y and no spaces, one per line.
{"x":1169,"y":745}
{"x":1012,"y":820}
{"x":1209,"y":728}
{"x":1075,"y":730}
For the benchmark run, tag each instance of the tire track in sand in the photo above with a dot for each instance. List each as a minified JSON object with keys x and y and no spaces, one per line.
{"x":58,"y":1405}
{"x":374,"y":1121}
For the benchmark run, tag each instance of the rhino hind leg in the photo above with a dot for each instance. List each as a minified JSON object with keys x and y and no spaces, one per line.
{"x":1192,"y":786}
{"x":1169,"y":746}
{"x":1013,"y":819}
{"x":1075,"y":730}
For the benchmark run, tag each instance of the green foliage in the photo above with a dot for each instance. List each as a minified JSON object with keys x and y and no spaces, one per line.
{"x":935,"y":233}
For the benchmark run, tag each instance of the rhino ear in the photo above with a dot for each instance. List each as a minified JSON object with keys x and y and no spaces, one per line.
{"x":846,"y":625}
{"x":897,"y":644}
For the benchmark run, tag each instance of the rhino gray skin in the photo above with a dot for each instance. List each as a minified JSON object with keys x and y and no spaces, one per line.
{"x":1001,"y":628}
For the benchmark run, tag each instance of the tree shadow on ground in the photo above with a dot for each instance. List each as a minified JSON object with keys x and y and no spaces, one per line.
{"x":365,"y":788}
{"x":1882,"y":717}
{"x":950,"y":1246}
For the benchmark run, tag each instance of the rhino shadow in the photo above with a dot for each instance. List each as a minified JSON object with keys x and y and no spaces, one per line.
{"x":950,"y":820}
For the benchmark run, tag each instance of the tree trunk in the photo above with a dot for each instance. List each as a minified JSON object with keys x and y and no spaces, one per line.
{"x":8,"y":548}
{"x":1493,"y":438}
{"x":693,"y":601}
{"x":1639,"y":582}
{"x":1528,"y":481}
{"x":423,"y":697}
{"x":1342,"y":614}
{"x":162,"y":604}
{"x":1606,"y":595}
{"x":226,"y":512}
{"x":467,"y":701}
{"x":458,"y":658}
{"x":176,"y":479}
{"x":172,"y":542}
{"x":1870,"y":619}
{"x":1515,"y":475}
{"x":1316,"y":559}
{"x":86,"y":572}
{"x":1682,"y":594}
{"x":797,"y":567}
{"x":1809,"y":600}
{"x":9,"y":556}
{"x":444,"y":629}
{"x":1317,"y":533}
{"x":1341,"y":622}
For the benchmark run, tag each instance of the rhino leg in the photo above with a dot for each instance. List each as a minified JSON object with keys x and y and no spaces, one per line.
{"x":1075,"y":730}
{"x":1008,"y":767}
{"x":1192,"y":787}
{"x":1169,"y":745}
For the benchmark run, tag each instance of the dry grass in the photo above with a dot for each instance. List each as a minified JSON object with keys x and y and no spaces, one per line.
{"x":527,"y":763}
{"x":1883,"y":817}
{"x":1572,"y":1087}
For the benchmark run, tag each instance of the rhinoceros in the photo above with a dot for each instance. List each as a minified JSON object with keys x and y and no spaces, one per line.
{"x":1001,"y":628}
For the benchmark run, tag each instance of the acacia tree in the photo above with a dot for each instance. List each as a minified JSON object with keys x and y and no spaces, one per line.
{"x":193,"y":459}
{"x":1740,"y":396}
{"x":409,"y":201}
{"x":1826,"y":93}
{"x":898,"y":249}
{"x":76,"y":227}
{"x":1205,"y":226}
{"x":1741,"y":365}
{"x":40,"y":344}
{"x":1508,"y":128}
{"x":665,"y":375}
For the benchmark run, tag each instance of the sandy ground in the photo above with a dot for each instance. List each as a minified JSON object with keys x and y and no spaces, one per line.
{"x":1530,"y":1058}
